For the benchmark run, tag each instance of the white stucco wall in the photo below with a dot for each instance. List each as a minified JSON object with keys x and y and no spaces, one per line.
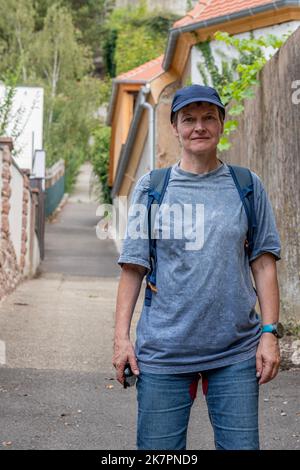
{"x":221,"y":47}
{"x":16,"y":210}
{"x":25,"y":122}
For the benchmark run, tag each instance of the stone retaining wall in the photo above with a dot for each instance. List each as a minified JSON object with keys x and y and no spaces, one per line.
{"x":17,"y":239}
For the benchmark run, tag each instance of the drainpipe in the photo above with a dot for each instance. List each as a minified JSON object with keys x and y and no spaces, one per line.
{"x":145,"y":91}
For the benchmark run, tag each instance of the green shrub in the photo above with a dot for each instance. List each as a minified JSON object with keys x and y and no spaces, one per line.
{"x":99,"y":157}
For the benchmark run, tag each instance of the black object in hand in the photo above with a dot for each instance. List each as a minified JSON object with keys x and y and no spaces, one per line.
{"x":129,"y":377}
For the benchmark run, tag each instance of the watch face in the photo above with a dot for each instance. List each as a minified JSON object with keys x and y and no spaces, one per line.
{"x":279,"y":330}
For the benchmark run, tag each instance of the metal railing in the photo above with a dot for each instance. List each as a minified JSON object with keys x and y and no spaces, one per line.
{"x":55,"y":186}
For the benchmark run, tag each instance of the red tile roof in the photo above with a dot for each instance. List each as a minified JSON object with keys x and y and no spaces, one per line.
{"x":204,"y":10}
{"x":144,"y":72}
{"x":208,"y":9}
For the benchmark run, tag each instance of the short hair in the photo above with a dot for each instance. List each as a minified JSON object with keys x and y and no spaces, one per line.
{"x":174,"y":116}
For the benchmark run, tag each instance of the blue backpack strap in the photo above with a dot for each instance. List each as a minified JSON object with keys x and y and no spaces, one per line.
{"x":243,"y":180}
{"x":159,"y":179}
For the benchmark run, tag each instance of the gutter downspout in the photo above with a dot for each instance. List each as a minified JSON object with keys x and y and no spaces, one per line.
{"x":145,"y":91}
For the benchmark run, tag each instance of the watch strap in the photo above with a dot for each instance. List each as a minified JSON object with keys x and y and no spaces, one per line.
{"x":268,"y":328}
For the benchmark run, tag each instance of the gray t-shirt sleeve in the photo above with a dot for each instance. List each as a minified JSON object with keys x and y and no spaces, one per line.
{"x":267,"y":239}
{"x":136,"y":250}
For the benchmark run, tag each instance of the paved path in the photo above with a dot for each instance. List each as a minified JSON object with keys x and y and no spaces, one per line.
{"x":57,"y":389}
{"x":72,"y":246}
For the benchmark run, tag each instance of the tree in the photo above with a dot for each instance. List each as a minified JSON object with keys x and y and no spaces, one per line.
{"x":73,"y":121}
{"x":39,"y":39}
{"x":40,"y":12}
{"x":135,"y":47}
{"x":16,"y":35}
{"x":9,"y":81}
{"x":134,"y":36}
{"x":58,"y":57}
{"x":89,"y":16}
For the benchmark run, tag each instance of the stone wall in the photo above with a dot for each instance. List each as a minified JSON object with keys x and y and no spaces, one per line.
{"x":25,"y":222}
{"x":17,"y":240}
{"x":54,"y":173}
{"x":10,"y":271}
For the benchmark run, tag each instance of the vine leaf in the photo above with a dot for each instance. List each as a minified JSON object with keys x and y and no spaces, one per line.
{"x":230,"y":126}
{"x":224,"y":144}
{"x":236,"y":110}
{"x":236,"y":77}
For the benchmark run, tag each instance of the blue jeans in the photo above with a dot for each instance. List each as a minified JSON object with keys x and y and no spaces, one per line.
{"x":165,"y":401}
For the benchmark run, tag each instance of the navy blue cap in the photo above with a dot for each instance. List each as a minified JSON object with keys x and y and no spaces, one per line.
{"x":194,"y":93}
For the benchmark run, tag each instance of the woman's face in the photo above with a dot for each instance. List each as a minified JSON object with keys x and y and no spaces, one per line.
{"x":199,"y":128}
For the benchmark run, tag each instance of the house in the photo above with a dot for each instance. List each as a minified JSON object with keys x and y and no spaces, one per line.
{"x":140,"y":105}
{"x":25,"y":123}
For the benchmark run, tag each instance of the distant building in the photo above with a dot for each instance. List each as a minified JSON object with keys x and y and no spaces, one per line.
{"x":25,"y":123}
{"x":179,"y":7}
{"x":267,"y":140}
{"x":142,"y":140}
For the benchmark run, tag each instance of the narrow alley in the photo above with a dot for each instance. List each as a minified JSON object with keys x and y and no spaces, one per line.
{"x":58,"y":387}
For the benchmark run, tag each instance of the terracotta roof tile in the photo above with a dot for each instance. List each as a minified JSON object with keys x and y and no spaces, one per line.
{"x":208,"y":9}
{"x":144,"y":72}
{"x":193,"y":14}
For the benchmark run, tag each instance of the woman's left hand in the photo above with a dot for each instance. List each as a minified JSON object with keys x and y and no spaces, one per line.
{"x":267,"y":358}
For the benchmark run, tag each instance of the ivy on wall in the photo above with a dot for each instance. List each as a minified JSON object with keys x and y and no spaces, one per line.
{"x":236,"y":78}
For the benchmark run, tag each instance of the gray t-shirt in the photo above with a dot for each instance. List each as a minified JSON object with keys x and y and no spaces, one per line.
{"x":203,"y":314}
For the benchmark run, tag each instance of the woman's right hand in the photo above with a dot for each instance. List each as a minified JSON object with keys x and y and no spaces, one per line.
{"x":124,"y":353}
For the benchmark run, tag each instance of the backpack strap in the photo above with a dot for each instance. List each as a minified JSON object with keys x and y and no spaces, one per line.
{"x":243,"y":180}
{"x":159,"y":178}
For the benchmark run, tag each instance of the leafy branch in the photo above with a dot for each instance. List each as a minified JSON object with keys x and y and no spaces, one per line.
{"x":9,"y":81}
{"x":237,"y":78}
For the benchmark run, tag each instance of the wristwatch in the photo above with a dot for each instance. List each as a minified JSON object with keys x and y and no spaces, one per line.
{"x":275,"y":328}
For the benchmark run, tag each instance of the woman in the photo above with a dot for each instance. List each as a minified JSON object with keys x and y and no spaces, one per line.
{"x":202,"y":319}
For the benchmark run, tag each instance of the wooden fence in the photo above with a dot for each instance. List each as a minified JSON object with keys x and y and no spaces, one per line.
{"x":268,"y":142}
